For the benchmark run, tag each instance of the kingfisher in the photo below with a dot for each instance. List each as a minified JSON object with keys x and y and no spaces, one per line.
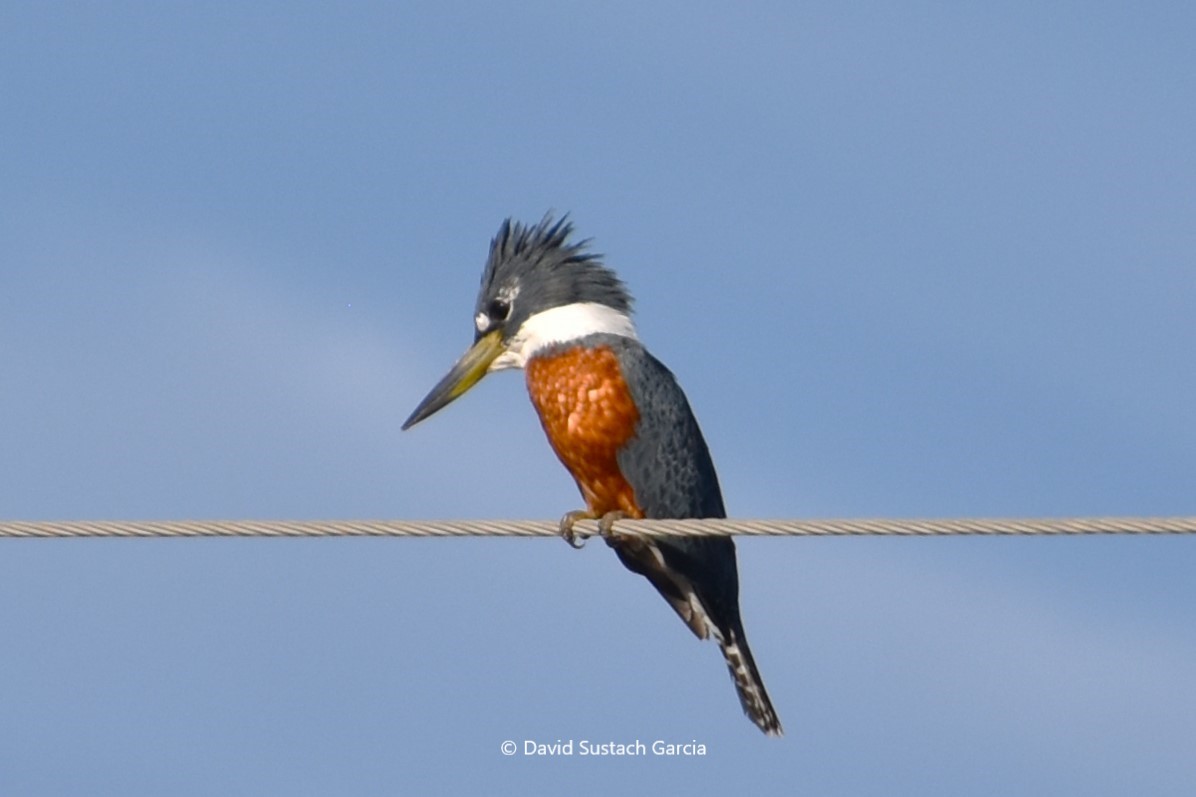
{"x":617,"y":420}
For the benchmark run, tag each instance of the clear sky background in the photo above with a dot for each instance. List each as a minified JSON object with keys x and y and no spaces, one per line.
{"x":906,"y":260}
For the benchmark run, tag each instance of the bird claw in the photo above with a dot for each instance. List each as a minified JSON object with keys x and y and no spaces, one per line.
{"x":606,"y":526}
{"x":578,"y":539}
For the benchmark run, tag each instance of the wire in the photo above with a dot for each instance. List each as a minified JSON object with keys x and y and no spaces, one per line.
{"x":541,"y":528}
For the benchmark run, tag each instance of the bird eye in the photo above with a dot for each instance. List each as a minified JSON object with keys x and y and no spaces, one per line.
{"x":499,"y":309}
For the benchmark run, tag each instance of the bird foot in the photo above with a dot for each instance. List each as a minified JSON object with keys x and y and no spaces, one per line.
{"x":575,"y":539}
{"x":605,"y":526}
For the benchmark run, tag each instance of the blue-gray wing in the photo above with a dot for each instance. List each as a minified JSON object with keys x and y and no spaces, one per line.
{"x":668,"y":466}
{"x":667,"y":463}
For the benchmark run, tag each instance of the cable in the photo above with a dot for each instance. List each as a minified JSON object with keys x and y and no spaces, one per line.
{"x":541,"y":528}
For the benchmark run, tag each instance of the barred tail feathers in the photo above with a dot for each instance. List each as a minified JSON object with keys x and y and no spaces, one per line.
{"x":748,"y":683}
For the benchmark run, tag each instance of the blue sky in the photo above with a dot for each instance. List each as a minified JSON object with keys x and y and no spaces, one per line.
{"x":906,"y":261}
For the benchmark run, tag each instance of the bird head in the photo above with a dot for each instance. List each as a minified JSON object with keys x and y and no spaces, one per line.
{"x":539,"y":289}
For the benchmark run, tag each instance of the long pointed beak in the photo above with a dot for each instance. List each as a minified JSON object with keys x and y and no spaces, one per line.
{"x":465,"y":374}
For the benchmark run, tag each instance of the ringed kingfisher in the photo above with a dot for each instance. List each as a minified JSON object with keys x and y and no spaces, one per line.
{"x":617,"y":420}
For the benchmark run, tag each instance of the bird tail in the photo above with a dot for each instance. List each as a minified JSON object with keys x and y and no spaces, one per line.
{"x":752,"y":694}
{"x":649,"y":559}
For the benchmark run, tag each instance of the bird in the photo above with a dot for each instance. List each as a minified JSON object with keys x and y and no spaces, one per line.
{"x":616,"y":418}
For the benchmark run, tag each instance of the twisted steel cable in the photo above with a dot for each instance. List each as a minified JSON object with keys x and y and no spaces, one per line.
{"x":543,"y":528}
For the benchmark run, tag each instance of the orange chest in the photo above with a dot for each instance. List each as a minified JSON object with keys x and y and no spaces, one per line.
{"x":588,"y":414}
